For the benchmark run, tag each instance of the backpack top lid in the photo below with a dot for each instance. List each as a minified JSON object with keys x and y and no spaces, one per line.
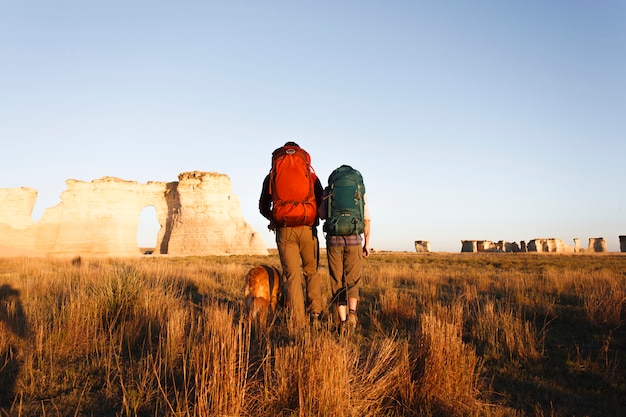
{"x":291,"y":148}
{"x":346,"y":172}
{"x":287,"y":145}
{"x":342,"y":169}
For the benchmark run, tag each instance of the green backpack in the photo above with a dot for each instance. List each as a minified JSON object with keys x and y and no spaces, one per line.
{"x":345,"y":203}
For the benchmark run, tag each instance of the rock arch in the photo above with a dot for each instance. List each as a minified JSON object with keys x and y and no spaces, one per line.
{"x":198,"y":215}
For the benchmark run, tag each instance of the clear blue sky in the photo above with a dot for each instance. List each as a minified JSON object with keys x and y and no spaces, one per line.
{"x":498,"y":120}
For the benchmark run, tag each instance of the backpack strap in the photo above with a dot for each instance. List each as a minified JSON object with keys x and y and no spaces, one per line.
{"x":361,"y":205}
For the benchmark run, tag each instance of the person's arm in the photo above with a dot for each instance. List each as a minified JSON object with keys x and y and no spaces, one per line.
{"x":265,"y":201}
{"x":318,"y":190}
{"x":322,"y":208}
{"x":366,"y":238}
{"x":366,"y":227}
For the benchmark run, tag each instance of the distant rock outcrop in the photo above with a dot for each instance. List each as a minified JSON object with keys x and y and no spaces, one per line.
{"x":622,"y":243}
{"x":198,"y":215}
{"x":422,"y":246}
{"x":479,"y":246}
{"x":596,"y":244}
{"x":552,"y":245}
{"x":535,"y":245}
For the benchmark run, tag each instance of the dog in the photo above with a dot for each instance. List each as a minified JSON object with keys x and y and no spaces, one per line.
{"x":262,"y":293}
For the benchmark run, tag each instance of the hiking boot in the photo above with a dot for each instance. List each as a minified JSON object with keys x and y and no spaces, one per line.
{"x":342,"y":328}
{"x":315,"y":321}
{"x":351,"y":321}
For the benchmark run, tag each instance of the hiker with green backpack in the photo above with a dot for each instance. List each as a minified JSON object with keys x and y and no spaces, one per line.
{"x":347,"y":227}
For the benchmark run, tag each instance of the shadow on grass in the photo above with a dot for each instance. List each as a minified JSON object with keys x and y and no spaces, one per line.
{"x":14,"y":320}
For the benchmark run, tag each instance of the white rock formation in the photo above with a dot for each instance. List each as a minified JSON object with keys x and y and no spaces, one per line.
{"x":469,"y":246}
{"x":596,"y":244}
{"x":479,"y":246}
{"x":551,"y":245}
{"x":198,"y":215}
{"x":422,"y":246}
{"x":16,"y":206}
{"x":504,"y":246}
{"x":206,"y":218}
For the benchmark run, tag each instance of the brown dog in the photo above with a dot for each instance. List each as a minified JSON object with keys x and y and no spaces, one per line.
{"x":261,"y":292}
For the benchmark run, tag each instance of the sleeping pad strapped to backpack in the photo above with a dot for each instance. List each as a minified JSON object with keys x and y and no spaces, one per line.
{"x":345,"y":202}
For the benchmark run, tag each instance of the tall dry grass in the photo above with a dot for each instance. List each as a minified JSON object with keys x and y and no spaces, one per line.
{"x":439,"y":335}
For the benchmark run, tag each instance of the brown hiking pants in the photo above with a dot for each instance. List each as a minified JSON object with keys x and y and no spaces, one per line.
{"x":298,"y":250}
{"x":345,"y":266}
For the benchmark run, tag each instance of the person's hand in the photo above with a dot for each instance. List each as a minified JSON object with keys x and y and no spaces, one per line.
{"x":366,"y":252}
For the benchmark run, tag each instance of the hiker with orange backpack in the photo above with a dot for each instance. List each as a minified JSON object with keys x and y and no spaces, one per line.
{"x":289,"y":200}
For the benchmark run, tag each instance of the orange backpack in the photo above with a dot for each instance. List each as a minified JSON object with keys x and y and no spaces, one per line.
{"x":292,"y":186}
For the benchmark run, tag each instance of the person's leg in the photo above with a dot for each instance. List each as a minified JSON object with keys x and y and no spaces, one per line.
{"x":334,"y":254}
{"x":353,"y":268}
{"x":352,"y":302}
{"x":309,"y":253}
{"x":289,"y":253}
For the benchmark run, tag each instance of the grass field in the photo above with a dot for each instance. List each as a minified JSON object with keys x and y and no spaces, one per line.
{"x":439,"y":335}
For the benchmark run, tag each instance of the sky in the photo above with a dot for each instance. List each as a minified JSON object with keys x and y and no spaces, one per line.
{"x":488,"y":120}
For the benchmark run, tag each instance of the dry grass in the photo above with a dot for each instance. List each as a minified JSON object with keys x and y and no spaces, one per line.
{"x":440,"y":335}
